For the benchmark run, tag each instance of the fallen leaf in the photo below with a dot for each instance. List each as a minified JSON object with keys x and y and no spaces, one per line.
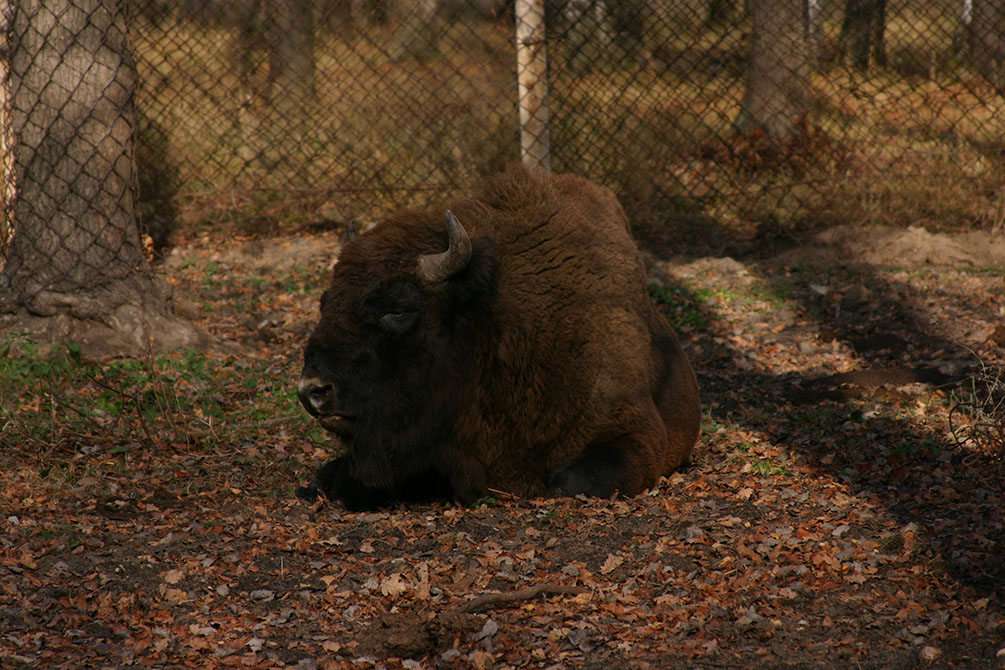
{"x":176,"y":595}
{"x":488,"y":630}
{"x":263,"y":595}
{"x":393,"y":585}
{"x":422,"y":588}
{"x":693,"y":534}
{"x":611,"y":564}
{"x":750,"y":617}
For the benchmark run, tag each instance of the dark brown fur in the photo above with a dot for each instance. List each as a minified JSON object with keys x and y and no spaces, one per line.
{"x":542,"y":367}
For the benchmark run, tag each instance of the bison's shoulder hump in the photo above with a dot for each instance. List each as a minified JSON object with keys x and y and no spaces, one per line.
{"x":519,"y":187}
{"x":528,"y":198}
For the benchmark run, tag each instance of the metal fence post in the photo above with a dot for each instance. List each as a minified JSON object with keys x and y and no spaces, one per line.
{"x":532,"y":80}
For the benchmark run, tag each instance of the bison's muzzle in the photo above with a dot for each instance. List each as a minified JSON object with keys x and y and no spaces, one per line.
{"x":320,"y":399}
{"x":317,"y":396}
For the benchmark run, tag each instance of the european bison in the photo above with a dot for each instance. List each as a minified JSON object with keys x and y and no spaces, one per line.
{"x":512,"y":349}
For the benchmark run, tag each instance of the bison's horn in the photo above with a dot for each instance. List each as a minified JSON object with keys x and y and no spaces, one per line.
{"x":437,"y":267}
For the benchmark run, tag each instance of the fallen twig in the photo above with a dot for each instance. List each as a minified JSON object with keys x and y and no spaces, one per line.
{"x":492,"y":599}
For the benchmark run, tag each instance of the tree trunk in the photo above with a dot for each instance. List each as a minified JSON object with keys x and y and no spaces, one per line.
{"x":291,"y":58}
{"x":75,"y":253}
{"x":813,"y":16}
{"x":589,"y":37}
{"x":987,"y":39}
{"x":862,"y":29}
{"x":778,"y":69}
{"x":717,"y":12}
{"x":415,"y":36}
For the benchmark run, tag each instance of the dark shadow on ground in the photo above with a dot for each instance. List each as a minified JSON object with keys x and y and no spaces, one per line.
{"x":848,"y":427}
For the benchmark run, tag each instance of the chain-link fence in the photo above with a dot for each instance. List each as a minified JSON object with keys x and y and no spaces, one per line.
{"x":264,"y":114}
{"x":66,"y":128}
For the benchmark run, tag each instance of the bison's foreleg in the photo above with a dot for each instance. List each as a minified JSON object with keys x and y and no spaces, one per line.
{"x":335,"y":480}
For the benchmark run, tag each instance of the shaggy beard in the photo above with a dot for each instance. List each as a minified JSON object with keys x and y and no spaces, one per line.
{"x":380,"y":457}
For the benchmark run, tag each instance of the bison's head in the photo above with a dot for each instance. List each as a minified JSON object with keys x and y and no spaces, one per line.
{"x":388,"y":364}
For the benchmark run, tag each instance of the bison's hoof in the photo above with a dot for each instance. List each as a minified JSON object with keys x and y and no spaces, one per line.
{"x":306,"y":493}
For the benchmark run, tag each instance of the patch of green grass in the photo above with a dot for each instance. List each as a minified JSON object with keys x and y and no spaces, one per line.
{"x":316,"y":434}
{"x":765,"y":467}
{"x":301,"y":281}
{"x":54,"y":396}
{"x":781,"y":291}
{"x":680,"y":307}
{"x":723,"y":295}
{"x":985,"y":270}
{"x":710,"y":425}
{"x":209,"y":274}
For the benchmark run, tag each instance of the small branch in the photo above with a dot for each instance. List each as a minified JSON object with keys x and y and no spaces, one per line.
{"x":506,"y":495}
{"x":265,"y":423}
{"x":493,"y":599}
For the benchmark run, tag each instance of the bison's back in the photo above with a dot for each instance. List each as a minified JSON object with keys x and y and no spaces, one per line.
{"x":563,"y":238}
{"x":579,"y":341}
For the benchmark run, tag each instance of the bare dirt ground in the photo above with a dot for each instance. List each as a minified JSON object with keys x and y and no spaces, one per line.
{"x":831,"y":516}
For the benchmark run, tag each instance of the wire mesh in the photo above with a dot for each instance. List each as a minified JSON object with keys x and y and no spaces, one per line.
{"x":68,"y":180}
{"x":268,"y":114}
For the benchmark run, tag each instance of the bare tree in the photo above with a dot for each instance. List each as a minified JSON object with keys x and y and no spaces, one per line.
{"x":778,"y":70}
{"x":987,"y":39}
{"x":863,"y":31}
{"x":590,"y":32}
{"x":291,"y":58}
{"x":415,"y":34}
{"x":814,"y":17}
{"x":75,"y":267}
{"x":285,"y":30}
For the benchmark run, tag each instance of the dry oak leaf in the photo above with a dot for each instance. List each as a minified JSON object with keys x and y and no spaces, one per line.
{"x":611,"y":564}
{"x":176,"y":595}
{"x":393,"y":585}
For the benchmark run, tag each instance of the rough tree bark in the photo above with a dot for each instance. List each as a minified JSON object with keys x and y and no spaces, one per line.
{"x":415,"y":36}
{"x":291,"y":58}
{"x":75,"y":268}
{"x":814,"y":16}
{"x":987,"y":39}
{"x":863,"y":31}
{"x":778,"y":70}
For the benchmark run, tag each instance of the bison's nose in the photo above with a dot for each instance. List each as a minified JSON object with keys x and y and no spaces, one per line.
{"x":316,"y":395}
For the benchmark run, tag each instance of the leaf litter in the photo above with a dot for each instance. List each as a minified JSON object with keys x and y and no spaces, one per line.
{"x":825,"y":520}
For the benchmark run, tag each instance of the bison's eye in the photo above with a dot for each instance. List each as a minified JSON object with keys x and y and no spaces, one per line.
{"x":398,"y":321}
